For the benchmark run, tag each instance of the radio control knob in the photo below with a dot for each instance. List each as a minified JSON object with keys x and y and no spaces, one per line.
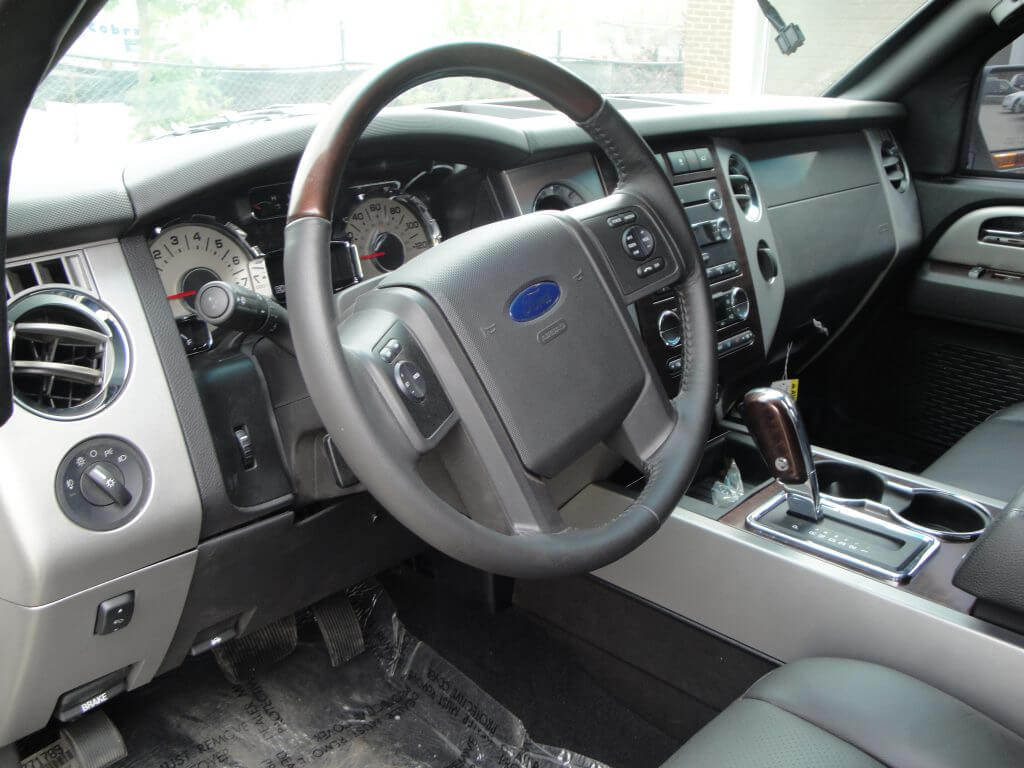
{"x":670,"y":328}
{"x":738,"y":303}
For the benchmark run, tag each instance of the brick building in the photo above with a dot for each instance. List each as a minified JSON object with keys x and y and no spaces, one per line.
{"x":730,"y":48}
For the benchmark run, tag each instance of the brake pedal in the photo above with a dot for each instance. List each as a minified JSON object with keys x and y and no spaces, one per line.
{"x":239,"y":659}
{"x":94,"y":741}
{"x":340,"y":628}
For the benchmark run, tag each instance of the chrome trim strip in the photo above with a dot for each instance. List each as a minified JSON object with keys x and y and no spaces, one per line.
{"x":843,"y":558}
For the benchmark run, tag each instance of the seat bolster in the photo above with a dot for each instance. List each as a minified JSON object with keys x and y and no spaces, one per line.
{"x":896,"y":719}
{"x":755,"y":734}
{"x":987,"y":459}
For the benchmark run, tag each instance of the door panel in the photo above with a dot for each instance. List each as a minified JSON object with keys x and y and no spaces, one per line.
{"x":974,"y":273}
{"x":961,"y":333}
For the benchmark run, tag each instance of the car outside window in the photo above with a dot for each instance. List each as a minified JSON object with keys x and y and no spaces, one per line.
{"x":996,"y":138}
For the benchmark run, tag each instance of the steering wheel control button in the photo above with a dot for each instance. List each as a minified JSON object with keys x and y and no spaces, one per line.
{"x":410,"y":381}
{"x":638,"y":242}
{"x":649,"y":268}
{"x":114,"y":614}
{"x":390,"y":350}
{"x":616,"y":220}
{"x":101,"y":483}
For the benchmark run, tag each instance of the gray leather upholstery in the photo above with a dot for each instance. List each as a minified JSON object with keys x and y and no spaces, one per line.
{"x":993,"y":570}
{"x":987,"y":460}
{"x":842,"y":713}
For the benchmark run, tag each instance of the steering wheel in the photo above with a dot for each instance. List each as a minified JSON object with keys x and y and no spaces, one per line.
{"x":458,"y":385}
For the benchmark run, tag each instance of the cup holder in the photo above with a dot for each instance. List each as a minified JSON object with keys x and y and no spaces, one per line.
{"x":846,"y":481}
{"x":944,"y":515}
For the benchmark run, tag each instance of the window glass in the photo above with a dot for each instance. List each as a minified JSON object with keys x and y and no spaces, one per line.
{"x":996,"y":142}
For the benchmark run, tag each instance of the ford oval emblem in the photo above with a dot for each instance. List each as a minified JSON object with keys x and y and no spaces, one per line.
{"x":533,"y":301}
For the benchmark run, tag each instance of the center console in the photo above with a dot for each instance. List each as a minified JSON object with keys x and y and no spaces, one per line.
{"x":877,"y":569}
{"x":704,"y":191}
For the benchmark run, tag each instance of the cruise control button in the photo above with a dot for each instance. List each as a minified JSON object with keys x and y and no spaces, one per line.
{"x":616,"y":221}
{"x":628,"y":217}
{"x":638,"y":242}
{"x":410,"y":381}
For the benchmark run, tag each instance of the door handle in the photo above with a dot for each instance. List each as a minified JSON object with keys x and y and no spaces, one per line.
{"x":1002,"y":237}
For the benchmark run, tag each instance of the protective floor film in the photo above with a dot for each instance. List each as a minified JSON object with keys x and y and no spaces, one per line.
{"x":398,"y":704}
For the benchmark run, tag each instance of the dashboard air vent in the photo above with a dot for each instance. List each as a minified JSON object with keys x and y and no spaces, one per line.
{"x":69,"y":354}
{"x":743,"y":190}
{"x":893,"y":164}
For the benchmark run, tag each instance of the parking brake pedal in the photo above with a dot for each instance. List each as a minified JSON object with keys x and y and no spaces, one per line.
{"x":340,"y":628}
{"x":239,"y":659}
{"x":94,"y":741}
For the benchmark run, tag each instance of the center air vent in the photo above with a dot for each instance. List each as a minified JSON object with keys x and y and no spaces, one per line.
{"x":893,"y":164}
{"x":743,"y":189}
{"x":69,"y":355}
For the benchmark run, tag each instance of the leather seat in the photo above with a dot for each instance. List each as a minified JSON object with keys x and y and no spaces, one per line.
{"x":987,"y":459}
{"x":840,"y":713}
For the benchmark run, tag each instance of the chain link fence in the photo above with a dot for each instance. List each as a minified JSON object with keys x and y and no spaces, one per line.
{"x":163,"y":96}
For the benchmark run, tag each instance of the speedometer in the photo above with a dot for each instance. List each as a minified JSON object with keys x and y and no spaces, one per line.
{"x":190,"y":254}
{"x":388,"y":231}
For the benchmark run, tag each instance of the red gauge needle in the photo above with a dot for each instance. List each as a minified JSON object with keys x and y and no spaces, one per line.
{"x":372,"y":256}
{"x":182,"y":295}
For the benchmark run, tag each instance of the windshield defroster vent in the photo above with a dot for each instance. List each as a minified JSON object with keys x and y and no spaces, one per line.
{"x":743,"y":190}
{"x":69,"y":355}
{"x":66,"y":269}
{"x":893,"y":164}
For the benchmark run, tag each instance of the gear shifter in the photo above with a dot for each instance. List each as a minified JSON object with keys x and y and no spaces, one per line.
{"x":778,"y":430}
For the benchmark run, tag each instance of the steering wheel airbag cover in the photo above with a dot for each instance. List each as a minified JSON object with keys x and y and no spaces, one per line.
{"x":550,"y":420}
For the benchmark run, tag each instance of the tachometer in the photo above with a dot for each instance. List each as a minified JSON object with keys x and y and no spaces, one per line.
{"x":190,"y":254}
{"x":388,"y":231}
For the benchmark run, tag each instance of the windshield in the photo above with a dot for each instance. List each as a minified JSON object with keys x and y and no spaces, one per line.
{"x":147,"y":68}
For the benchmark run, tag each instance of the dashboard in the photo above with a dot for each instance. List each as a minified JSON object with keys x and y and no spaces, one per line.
{"x":231,"y":506}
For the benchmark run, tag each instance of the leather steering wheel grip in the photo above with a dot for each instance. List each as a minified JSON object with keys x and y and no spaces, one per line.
{"x":358,"y":419}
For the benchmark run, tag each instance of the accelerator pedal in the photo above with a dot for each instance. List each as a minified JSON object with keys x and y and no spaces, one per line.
{"x":340,"y":628}
{"x":239,"y":659}
{"x":94,"y":741}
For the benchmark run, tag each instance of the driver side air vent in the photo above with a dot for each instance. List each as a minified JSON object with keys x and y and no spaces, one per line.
{"x":893,"y":164}
{"x":743,"y":190}
{"x":69,"y":355}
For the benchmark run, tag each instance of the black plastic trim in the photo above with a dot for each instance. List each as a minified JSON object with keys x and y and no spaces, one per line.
{"x":218,"y":512}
